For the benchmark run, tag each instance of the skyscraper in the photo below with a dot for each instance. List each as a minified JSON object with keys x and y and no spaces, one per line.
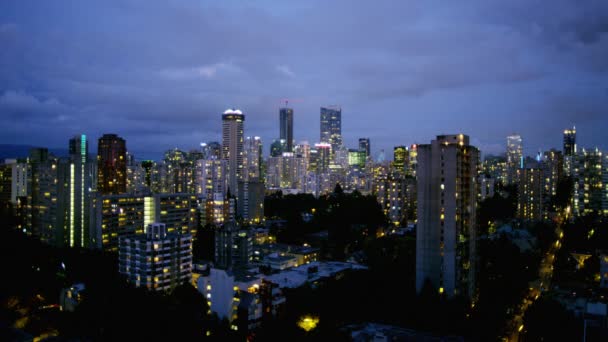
{"x":331,"y":126}
{"x":111,"y":165}
{"x":530,"y":205}
{"x":570,"y":142}
{"x":286,"y":127}
{"x":400,"y":158}
{"x":253,"y":158}
{"x":232,"y":145}
{"x":81,"y":179}
{"x":514,"y":157}
{"x":570,"y":151}
{"x":364,"y":145}
{"x":447,"y":194}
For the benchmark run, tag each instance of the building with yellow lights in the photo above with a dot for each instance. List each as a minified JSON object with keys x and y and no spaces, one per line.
{"x":157,"y":260}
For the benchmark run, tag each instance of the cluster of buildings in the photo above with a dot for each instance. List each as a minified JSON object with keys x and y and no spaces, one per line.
{"x":149,"y":212}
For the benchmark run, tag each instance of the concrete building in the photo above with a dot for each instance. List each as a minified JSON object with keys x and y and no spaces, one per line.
{"x":589,"y":172}
{"x":530,"y":203}
{"x":233,"y":246}
{"x":286,"y":127}
{"x":514,"y":157}
{"x":570,"y":150}
{"x":157,"y":260}
{"x":447,"y":211}
{"x":115,"y":216}
{"x":13,"y":180}
{"x":331,"y":126}
{"x":251,"y":201}
{"x":111,"y":165}
{"x":253,"y":159}
{"x":232,"y":145}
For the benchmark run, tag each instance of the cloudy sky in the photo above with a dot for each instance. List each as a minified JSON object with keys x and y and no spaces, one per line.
{"x":160,"y":73}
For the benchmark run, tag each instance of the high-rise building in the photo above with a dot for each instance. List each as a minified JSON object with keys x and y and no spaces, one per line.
{"x":113,"y":216}
{"x":111,"y":165}
{"x":447,"y":207}
{"x":589,"y":171}
{"x":364,"y":145}
{"x":514,"y":157}
{"x":286,"y":127}
{"x":251,"y":200}
{"x":212,"y":177}
{"x":331,"y":126}
{"x":233,"y":246}
{"x":80,"y":183}
{"x":232,"y":145}
{"x":530,"y":205}
{"x":157,"y":260}
{"x":570,"y":142}
{"x":412,"y":160}
{"x":553,"y":169}
{"x":496,"y":167}
{"x":13,"y":180}
{"x":212,"y":150}
{"x":323,"y":157}
{"x":400,"y":158}
{"x":570,"y":150}
{"x":253,"y":158}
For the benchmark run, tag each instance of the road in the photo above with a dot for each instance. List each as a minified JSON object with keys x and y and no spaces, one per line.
{"x":545,"y":273}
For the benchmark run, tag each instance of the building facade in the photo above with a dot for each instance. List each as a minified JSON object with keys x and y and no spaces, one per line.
{"x":111,"y":165}
{"x":156,"y":260}
{"x":447,"y":212}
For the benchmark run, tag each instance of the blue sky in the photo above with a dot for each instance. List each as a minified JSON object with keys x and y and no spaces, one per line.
{"x":160,"y":73}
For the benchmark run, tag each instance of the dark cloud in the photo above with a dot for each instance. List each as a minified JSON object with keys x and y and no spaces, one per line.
{"x":161,"y":73}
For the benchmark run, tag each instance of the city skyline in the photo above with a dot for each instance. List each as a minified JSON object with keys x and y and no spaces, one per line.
{"x":487,"y":73}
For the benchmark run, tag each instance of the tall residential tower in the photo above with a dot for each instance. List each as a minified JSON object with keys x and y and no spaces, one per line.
{"x":232,"y":145}
{"x":446,"y":232}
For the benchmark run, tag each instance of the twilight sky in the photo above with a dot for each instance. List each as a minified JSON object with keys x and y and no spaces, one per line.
{"x":161,"y":73}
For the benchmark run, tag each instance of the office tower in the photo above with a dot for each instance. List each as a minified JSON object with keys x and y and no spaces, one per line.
{"x":212,"y":177}
{"x":400,"y":158}
{"x":286,"y":127}
{"x":232,"y":145}
{"x":364,"y":145}
{"x":530,"y":194}
{"x":251,"y":200}
{"x":323,"y":157}
{"x":157,"y":260}
{"x":447,"y":206}
{"x":233,"y":246}
{"x":253,"y":158}
{"x":81,"y":179}
{"x":589,"y":171}
{"x":111,"y":165}
{"x":570,"y":150}
{"x":331,"y":127}
{"x":212,"y":150}
{"x":356,"y":158}
{"x":514,"y":157}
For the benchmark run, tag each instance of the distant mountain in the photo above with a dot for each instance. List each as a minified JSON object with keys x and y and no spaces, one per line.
{"x":8,"y":151}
